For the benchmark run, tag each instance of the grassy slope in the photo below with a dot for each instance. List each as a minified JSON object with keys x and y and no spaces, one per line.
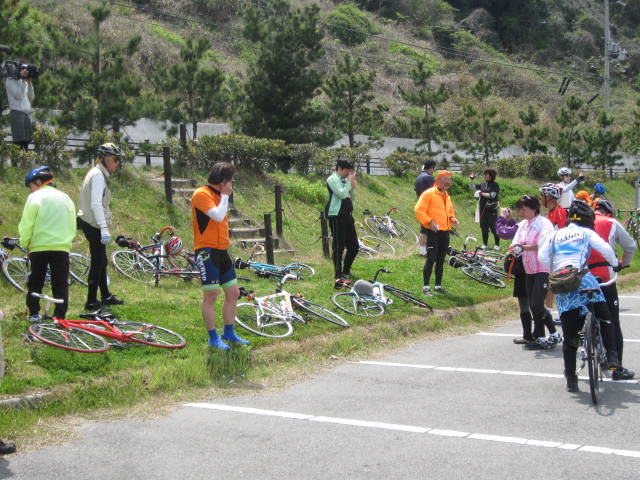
{"x":84,"y":382}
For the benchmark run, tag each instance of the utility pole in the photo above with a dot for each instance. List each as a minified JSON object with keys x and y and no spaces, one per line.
{"x":607,"y":43}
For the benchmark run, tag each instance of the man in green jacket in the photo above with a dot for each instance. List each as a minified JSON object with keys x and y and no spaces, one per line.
{"x":342,"y":190}
{"x":47,"y":229}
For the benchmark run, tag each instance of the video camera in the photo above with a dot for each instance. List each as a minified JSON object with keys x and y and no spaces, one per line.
{"x":12,"y":68}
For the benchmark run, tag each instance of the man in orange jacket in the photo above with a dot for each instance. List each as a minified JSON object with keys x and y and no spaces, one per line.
{"x":434,"y":211}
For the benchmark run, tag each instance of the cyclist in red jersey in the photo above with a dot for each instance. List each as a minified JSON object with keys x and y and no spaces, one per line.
{"x":551,"y":194}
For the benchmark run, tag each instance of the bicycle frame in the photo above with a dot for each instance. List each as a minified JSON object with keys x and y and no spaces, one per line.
{"x":284,"y":305}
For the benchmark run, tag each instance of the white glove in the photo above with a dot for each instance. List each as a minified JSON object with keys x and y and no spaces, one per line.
{"x":105,"y":237}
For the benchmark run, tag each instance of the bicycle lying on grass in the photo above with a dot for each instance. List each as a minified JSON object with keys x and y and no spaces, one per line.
{"x":368,"y":299}
{"x":147,"y":263}
{"x":87,"y":334}
{"x":384,"y":226}
{"x":370,"y":246}
{"x":300,"y":270}
{"x":485,"y":267}
{"x":17,"y":269}
{"x":274,"y":315}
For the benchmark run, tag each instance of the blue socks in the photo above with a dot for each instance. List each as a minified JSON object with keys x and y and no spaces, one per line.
{"x":216,"y":342}
{"x":230,"y":336}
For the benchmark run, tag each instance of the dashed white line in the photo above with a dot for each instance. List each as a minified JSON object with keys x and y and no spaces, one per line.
{"x":351,"y":422}
{"x":480,"y":371}
{"x":514,"y":335}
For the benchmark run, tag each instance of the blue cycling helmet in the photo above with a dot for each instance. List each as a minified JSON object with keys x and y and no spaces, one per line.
{"x":599,"y":188}
{"x":42,"y":173}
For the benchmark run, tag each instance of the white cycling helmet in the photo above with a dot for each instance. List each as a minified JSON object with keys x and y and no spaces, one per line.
{"x":564,"y":171}
{"x":552,"y":190}
{"x":174,"y":246}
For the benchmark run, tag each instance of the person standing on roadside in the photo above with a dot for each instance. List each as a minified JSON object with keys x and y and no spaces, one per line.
{"x":506,"y":228}
{"x":47,"y":229}
{"x":424,"y":181}
{"x":487,"y":205}
{"x":20,"y":94}
{"x":532,"y":231}
{"x":6,"y":447}
{"x":434,"y":210}
{"x":567,"y":185}
{"x":612,"y":232}
{"x":210,"y":221}
{"x":342,"y":186}
{"x":95,"y":219}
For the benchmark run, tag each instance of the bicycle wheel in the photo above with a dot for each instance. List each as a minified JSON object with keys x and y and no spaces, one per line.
{"x":74,"y":339}
{"x":318,"y":310}
{"x":133,"y":265}
{"x":591,"y":343}
{"x":79,"y":268}
{"x":301,"y":269}
{"x":263,"y":320}
{"x":356,"y":305}
{"x":365,"y":252}
{"x":150,"y":334}
{"x":406,"y":296}
{"x":483,"y":275}
{"x":378,"y":244}
{"x":377,"y":227}
{"x":182,"y":263}
{"x":405,"y":232}
{"x":17,"y":270}
{"x":631,"y":226}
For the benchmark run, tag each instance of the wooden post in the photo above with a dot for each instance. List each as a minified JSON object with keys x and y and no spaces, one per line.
{"x":147,"y":155}
{"x":278,"y":194}
{"x":268,"y":238}
{"x":115,"y":124}
{"x":166,"y":159}
{"x":368,"y":166}
{"x":183,"y":136}
{"x":324,"y":228}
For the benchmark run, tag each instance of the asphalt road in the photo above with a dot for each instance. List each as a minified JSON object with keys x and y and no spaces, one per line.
{"x":474,"y":406}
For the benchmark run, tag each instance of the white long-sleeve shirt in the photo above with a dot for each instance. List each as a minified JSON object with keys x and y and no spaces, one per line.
{"x":20,"y":94}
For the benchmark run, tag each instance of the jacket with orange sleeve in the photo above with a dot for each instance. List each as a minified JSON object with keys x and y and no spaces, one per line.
{"x":435,"y":206}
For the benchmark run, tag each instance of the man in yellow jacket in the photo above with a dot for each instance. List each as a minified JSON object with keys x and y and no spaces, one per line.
{"x":434,"y":211}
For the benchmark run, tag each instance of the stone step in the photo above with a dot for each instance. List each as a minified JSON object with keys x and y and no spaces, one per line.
{"x":185,"y":182}
{"x":249,"y":232}
{"x":183,"y":191}
{"x":250,"y":242}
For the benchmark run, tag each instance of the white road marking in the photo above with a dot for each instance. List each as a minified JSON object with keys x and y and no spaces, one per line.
{"x":482,"y":371}
{"x":628,"y":296}
{"x":514,"y":335}
{"x":418,"y":429}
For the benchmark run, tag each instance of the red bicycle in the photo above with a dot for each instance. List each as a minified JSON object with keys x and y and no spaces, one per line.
{"x":88,"y":333}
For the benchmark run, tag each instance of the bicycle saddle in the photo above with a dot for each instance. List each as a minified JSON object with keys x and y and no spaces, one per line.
{"x":9,"y":242}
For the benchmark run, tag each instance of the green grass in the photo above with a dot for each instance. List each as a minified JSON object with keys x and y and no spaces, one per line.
{"x":122,"y":377}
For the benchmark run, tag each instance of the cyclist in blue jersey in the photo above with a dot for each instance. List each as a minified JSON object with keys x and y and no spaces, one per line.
{"x":571,"y":247}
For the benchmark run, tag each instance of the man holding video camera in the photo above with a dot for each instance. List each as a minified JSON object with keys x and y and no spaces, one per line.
{"x":20,"y":94}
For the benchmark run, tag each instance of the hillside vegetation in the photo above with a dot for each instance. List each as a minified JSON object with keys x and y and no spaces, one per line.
{"x":196,"y":60}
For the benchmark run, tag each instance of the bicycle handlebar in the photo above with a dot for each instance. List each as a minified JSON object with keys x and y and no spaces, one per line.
{"x":380,"y":270}
{"x":47,"y":298}
{"x":393,"y":209}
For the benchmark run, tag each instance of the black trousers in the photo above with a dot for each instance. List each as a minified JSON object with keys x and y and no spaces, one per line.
{"x":488,"y":223}
{"x":58,"y":263}
{"x":537,"y":284}
{"x":345,"y":237}
{"x":610,"y":293}
{"x":99,"y":261}
{"x":437,"y":245}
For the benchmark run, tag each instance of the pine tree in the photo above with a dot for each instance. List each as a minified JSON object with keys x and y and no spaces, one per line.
{"x":282,"y":83}
{"x":632,"y":135}
{"x":601,"y":143}
{"x":569,"y":137}
{"x":195,"y":87}
{"x":533,"y":137}
{"x":99,"y":89}
{"x":349,"y":99}
{"x":483,"y":131}
{"x":426,"y":126}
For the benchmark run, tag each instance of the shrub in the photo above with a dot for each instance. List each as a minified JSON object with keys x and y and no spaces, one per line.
{"x":630,"y":177}
{"x":310,"y":159}
{"x":351,"y":25}
{"x":543,"y":166}
{"x":594,"y":176}
{"x":248,"y":153}
{"x":511,"y":167}
{"x":50,"y":148}
{"x":401,"y":163}
{"x":459,"y":185}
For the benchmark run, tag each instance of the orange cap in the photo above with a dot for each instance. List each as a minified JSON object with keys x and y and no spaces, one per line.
{"x":443,"y":173}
